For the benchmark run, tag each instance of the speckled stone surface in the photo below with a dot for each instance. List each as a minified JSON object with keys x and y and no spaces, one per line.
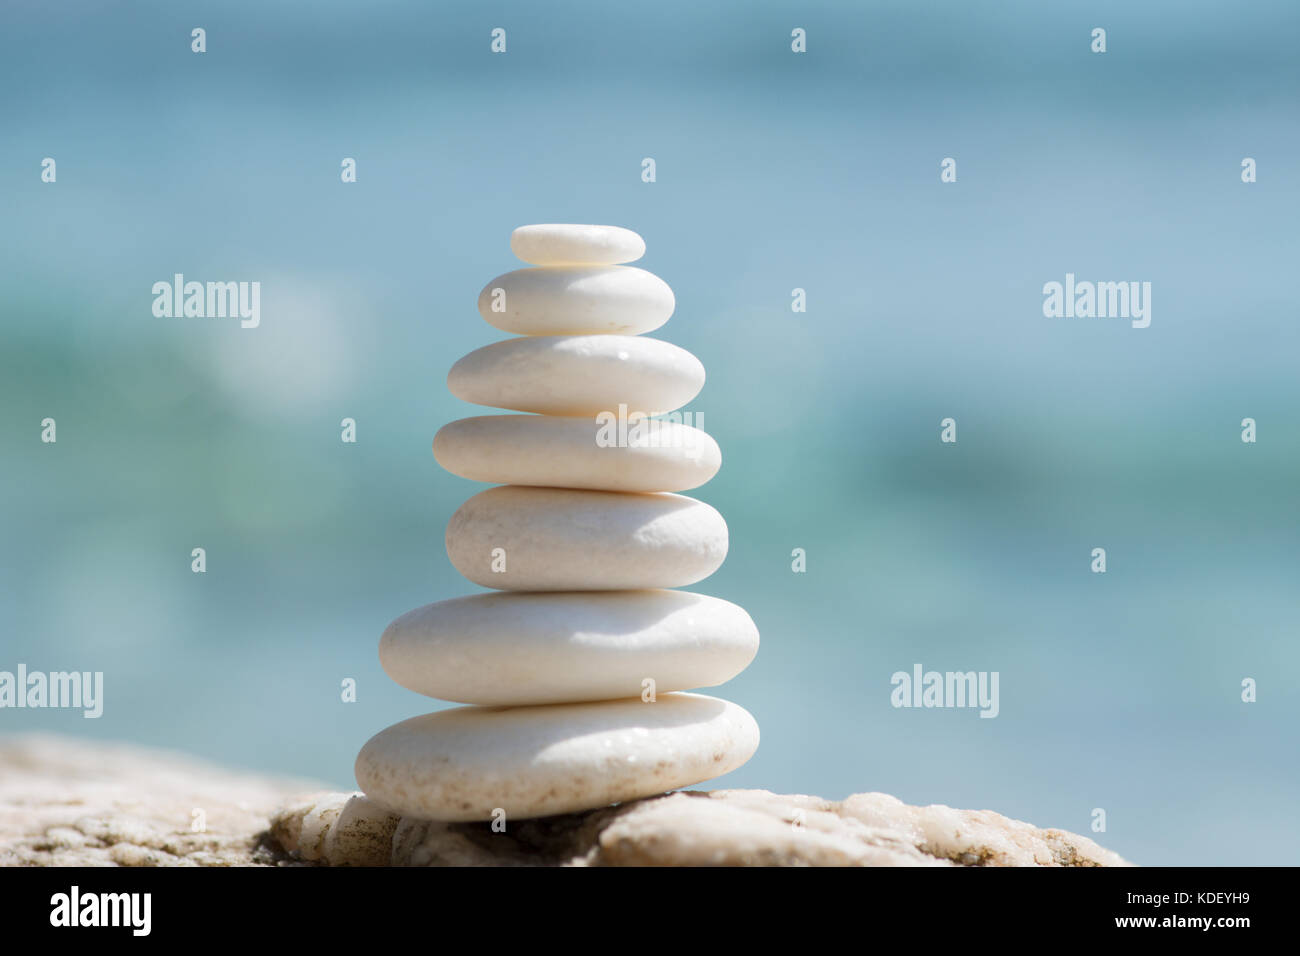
{"x":474,"y":763}
{"x":65,"y":801}
{"x":716,"y":828}
{"x":72,"y":802}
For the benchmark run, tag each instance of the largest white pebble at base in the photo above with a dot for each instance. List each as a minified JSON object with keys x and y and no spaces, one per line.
{"x":554,"y":244}
{"x":577,"y":300}
{"x":519,"y":648}
{"x":578,"y":375}
{"x":465,"y":763}
{"x":554,"y":539}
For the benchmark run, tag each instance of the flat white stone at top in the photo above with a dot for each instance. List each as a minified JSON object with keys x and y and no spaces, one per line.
{"x":465,"y":763}
{"x":555,"y":647}
{"x":556,"y":539}
{"x":577,"y":300}
{"x":551,"y":244}
{"x":578,"y":374}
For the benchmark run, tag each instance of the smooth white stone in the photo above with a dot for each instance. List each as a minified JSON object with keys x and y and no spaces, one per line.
{"x":464,"y":763}
{"x":555,"y":539}
{"x":578,"y":300}
{"x":554,"y":244}
{"x":578,"y":374}
{"x":564,"y":453}
{"x":513,"y":649}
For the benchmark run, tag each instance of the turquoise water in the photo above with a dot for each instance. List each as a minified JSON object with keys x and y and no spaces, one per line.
{"x":1118,"y":691}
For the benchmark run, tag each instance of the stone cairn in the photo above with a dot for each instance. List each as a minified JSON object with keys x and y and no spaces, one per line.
{"x":575,"y":668}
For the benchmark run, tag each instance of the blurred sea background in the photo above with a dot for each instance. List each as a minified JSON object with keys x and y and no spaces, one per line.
{"x":1119,"y":691}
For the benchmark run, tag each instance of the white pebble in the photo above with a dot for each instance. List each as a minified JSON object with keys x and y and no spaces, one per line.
{"x":554,"y":539}
{"x":553,"y":244}
{"x":467,"y":763}
{"x":565,"y":453}
{"x":519,"y":648}
{"x":577,"y":300}
{"x":578,"y":374}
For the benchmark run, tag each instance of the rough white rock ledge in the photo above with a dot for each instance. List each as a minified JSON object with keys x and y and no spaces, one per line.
{"x":68,"y":802}
{"x":716,"y":828}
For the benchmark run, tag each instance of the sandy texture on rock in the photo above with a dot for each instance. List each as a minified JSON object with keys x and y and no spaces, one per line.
{"x":70,"y":802}
{"x":718,"y":828}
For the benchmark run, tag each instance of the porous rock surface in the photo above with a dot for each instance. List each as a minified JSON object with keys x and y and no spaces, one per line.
{"x":716,"y":828}
{"x":69,"y":802}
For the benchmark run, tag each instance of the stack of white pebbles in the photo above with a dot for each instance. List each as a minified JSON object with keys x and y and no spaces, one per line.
{"x":575,"y":672}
